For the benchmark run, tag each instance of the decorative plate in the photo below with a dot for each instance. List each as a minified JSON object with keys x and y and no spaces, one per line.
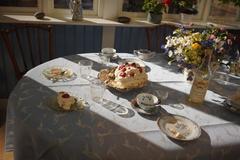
{"x":57,"y":73}
{"x":179,"y":127}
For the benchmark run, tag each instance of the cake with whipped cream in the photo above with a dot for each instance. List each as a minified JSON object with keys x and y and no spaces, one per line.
{"x":125,"y":76}
{"x":65,"y":101}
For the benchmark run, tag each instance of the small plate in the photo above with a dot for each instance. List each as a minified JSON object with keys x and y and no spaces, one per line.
{"x":179,"y":127}
{"x":133,"y":60}
{"x":113,"y":57}
{"x":80,"y":104}
{"x":153,"y":111}
{"x":57,"y":73}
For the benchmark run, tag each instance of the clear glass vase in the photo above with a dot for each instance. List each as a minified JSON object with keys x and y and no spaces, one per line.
{"x":76,"y":8}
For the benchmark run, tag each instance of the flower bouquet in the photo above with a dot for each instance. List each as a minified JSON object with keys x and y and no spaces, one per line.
{"x":186,"y":47}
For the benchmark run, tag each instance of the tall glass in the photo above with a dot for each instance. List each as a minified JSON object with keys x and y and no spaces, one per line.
{"x":97,"y":89}
{"x":85,"y":68}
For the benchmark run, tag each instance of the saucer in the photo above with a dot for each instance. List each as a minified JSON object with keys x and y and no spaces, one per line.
{"x":179,"y":127}
{"x":112,"y":57}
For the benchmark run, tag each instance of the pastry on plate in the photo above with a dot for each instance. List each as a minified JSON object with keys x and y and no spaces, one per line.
{"x":58,"y":73}
{"x":65,"y":101}
{"x":125,"y":76}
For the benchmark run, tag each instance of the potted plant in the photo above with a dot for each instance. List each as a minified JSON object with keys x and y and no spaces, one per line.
{"x":155,"y":9}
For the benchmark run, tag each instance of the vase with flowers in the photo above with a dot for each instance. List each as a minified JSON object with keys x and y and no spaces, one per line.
{"x":187,"y":47}
{"x":202,"y":52}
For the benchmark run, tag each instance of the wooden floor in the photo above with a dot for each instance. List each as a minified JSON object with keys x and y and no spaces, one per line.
{"x":4,"y":155}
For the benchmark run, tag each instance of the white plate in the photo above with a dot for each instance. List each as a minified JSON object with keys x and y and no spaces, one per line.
{"x":133,"y":60}
{"x":57,"y":73}
{"x":179,"y":127}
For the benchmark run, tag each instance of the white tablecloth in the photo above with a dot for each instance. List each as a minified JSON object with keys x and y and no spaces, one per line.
{"x":36,"y":131}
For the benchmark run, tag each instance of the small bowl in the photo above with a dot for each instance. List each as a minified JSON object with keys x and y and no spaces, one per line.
{"x":144,"y":54}
{"x":124,"y":19}
{"x":147,"y":101}
{"x":109,"y":52}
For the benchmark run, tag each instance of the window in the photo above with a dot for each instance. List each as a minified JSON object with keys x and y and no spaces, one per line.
{"x":64,"y":4}
{"x":219,"y":11}
{"x":174,"y":11}
{"x":131,"y":8}
{"x":60,"y":8}
{"x":19,"y":3}
{"x":176,"y":5}
{"x":24,"y":6}
{"x":132,"y":5}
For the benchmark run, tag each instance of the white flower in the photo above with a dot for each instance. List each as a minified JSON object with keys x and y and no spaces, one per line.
{"x":170,"y":53}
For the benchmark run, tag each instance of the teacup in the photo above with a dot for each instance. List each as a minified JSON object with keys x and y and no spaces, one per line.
{"x":144,"y":54}
{"x":147,"y":101}
{"x":109,"y":52}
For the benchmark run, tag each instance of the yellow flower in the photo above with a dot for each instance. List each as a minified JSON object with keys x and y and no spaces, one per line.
{"x":196,"y":46}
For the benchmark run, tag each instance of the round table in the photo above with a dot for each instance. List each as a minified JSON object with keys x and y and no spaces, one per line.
{"x":36,"y":131}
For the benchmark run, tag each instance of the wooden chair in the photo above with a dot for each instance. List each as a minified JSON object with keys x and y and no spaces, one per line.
{"x":28,"y":45}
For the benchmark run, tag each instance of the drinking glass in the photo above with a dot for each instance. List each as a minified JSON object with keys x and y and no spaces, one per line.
{"x":97,"y":89}
{"x":105,"y":59}
{"x":85,"y":68}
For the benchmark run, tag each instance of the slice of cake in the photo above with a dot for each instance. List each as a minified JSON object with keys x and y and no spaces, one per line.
{"x":65,"y":101}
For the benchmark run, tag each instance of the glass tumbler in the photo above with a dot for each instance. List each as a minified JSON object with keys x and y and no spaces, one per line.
{"x":97,"y":89}
{"x":85,"y":68}
{"x":105,"y":59}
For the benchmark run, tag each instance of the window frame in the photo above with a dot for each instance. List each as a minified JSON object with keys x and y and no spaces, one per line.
{"x":48,"y":8}
{"x":129,"y":14}
{"x":13,"y":9}
{"x":198,"y":17}
{"x":221,"y":18}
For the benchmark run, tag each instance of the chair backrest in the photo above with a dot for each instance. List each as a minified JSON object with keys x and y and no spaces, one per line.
{"x":27,"y":46}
